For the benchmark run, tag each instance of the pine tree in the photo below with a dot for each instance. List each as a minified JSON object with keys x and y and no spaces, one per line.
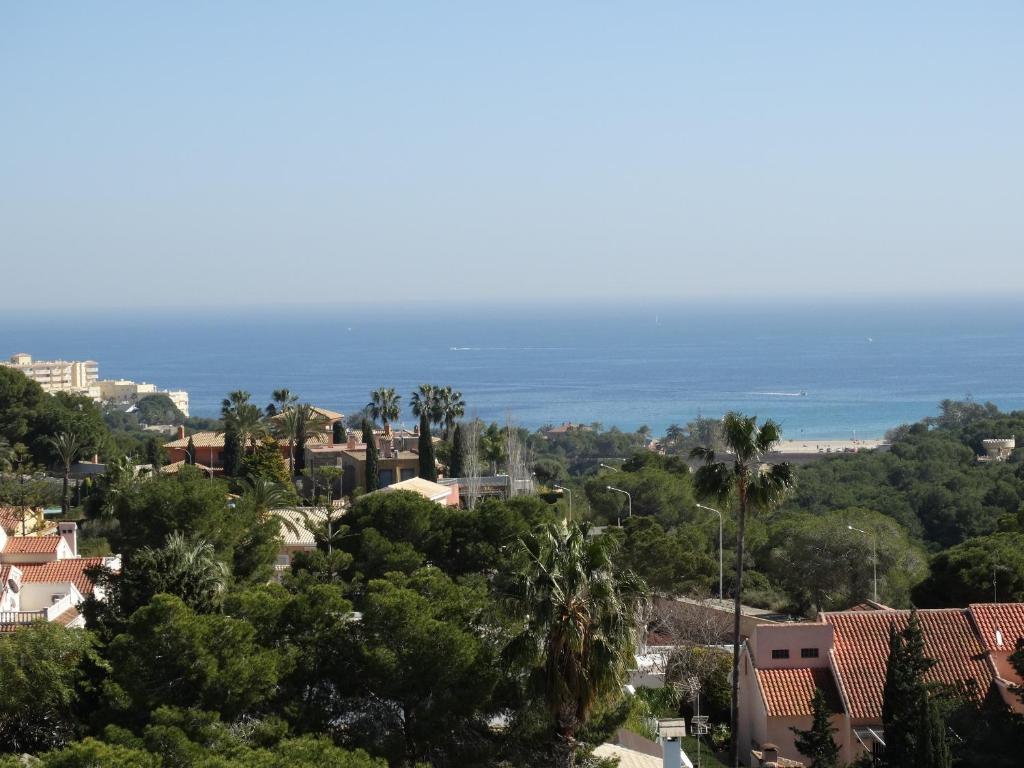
{"x":428,"y":465}
{"x":338,"y":432}
{"x":817,"y":743}
{"x":372,"y":470}
{"x":915,"y":734}
{"x":457,"y":465}
{"x":190,"y":451}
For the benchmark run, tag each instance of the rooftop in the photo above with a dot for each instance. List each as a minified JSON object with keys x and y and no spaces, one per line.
{"x":788,"y":692}
{"x":25,"y":545}
{"x":72,"y":570}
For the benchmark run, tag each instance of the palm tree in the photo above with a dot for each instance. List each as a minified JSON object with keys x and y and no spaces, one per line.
{"x":752,"y":487}
{"x":282,"y":399}
{"x":189,"y":569}
{"x":426,"y":400}
{"x":246,"y":418}
{"x":384,"y":405}
{"x":286,"y":426}
{"x":67,"y":447}
{"x":580,"y":617}
{"x":452,"y":407}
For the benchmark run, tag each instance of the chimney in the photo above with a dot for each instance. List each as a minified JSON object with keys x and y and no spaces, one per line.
{"x":769,"y":754}
{"x":351,"y":442}
{"x":181,"y":431}
{"x":69,"y":532}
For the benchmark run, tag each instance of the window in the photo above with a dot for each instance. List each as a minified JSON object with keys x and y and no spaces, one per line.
{"x":808,"y":653}
{"x":408,"y":474}
{"x":780,"y":653}
{"x":387,"y":477}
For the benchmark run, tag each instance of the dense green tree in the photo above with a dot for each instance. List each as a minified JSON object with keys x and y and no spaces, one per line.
{"x":372,"y":467}
{"x":233,"y":450}
{"x":21,"y":401}
{"x":384,"y":405}
{"x":158,"y":409}
{"x":190,"y":451}
{"x":457,"y":463}
{"x":817,"y":743}
{"x":964,"y":574}
{"x":92,"y":753}
{"x":415,"y":631}
{"x":824,"y":565}
{"x":189,"y":570}
{"x":41,"y":680}
{"x":578,"y":626}
{"x":73,"y":414}
{"x":754,"y":488}
{"x":665,"y":495}
{"x":208,"y":661}
{"x":338,"y":434}
{"x":427,"y":463}
{"x":266,"y":463}
{"x":676,"y":561}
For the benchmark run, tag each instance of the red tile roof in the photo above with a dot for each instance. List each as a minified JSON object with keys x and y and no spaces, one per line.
{"x":788,"y":692}
{"x":1007,"y":618}
{"x":24,"y":545}
{"x":862,"y":650}
{"x":10,"y":519}
{"x":61,"y":571}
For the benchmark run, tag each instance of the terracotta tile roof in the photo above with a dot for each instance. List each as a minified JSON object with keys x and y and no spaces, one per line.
{"x":1007,"y":618}
{"x":60,"y":571}
{"x":5,"y":573}
{"x":862,"y":649}
{"x":25,"y":545}
{"x":199,"y":440}
{"x":788,"y":692}
{"x":10,"y":518}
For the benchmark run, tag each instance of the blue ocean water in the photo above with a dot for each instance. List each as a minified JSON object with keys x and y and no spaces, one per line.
{"x":864,"y":367}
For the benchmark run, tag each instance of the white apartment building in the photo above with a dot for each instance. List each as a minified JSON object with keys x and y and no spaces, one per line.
{"x":127,"y":392}
{"x":56,"y":375}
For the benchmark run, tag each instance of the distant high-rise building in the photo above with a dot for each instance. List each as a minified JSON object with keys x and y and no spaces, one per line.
{"x":56,"y":375}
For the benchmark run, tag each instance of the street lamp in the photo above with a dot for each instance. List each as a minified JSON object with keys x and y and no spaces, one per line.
{"x":874,"y":557}
{"x":628,"y":496}
{"x":569,"y":491}
{"x":608,"y":466}
{"x":721,"y":591}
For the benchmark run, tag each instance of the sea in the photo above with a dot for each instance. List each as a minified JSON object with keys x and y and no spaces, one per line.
{"x":827,"y":370}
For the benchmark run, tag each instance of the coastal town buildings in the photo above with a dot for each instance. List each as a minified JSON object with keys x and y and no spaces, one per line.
{"x":845,"y":653}
{"x":395,"y":462}
{"x":43,"y":578}
{"x":56,"y":375}
{"x":127,"y":392}
{"x":83,"y":377}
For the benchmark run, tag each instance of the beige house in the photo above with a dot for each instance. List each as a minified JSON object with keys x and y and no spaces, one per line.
{"x":395,"y":463}
{"x":445,"y":495}
{"x":845,"y":655}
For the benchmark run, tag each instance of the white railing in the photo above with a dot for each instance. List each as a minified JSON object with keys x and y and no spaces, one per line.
{"x":22,"y":617}
{"x":65,"y":603}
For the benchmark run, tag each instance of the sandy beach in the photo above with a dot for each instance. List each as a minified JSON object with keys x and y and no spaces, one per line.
{"x":828,"y":446}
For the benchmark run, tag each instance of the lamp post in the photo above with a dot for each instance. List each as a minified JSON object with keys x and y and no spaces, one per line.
{"x":608,"y":466}
{"x":628,"y":497}
{"x":721,"y":570}
{"x":874,"y":557}
{"x":569,"y":491}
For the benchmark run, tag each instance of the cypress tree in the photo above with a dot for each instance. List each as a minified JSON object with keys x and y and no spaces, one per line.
{"x":817,"y":743}
{"x":300,"y":444}
{"x":338,"y":432}
{"x":232,"y":451}
{"x":428,"y":466}
{"x":372,"y":469}
{"x":458,"y":463}
{"x":154,"y":453}
{"x":915,"y":734}
{"x":190,"y":451}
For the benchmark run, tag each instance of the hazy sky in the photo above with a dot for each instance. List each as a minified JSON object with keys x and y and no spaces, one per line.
{"x":246,"y":153}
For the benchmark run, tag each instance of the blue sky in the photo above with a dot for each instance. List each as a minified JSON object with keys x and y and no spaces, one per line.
{"x":268,"y":153}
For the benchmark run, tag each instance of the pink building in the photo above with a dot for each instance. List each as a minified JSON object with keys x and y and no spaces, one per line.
{"x":845,"y":655}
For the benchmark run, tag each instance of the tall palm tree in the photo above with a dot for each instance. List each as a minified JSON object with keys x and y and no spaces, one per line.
{"x":67,"y":446}
{"x":286,"y":427}
{"x":454,"y":409}
{"x":426,"y":400}
{"x":281,"y":400}
{"x":580,"y":625}
{"x":742,"y":479}
{"x":384,"y":405}
{"x":189,"y":569}
{"x":247,"y":419}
